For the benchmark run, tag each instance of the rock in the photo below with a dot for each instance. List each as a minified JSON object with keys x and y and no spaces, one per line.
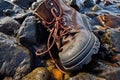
{"x":86,"y":76}
{"x":21,"y":17}
{"x":17,"y":10}
{"x":55,"y":73}
{"x":91,"y":14}
{"x":107,"y":2}
{"x":8,"y":78}
{"x":96,"y":8}
{"x":97,"y":1}
{"x":27,"y":31}
{"x":89,"y":3}
{"x":77,"y":4}
{"x":9,"y":26}
{"x":15,"y":60}
{"x":112,"y":38}
{"x":109,"y":20}
{"x":9,"y":9}
{"x":39,"y":73}
{"x":98,"y":70}
{"x":5,"y":5}
{"x":25,"y":4}
{"x":105,"y":69}
{"x":118,"y":5}
{"x":34,"y":5}
{"x":12,"y":12}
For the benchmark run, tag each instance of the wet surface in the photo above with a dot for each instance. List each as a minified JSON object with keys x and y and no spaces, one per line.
{"x":25,"y":30}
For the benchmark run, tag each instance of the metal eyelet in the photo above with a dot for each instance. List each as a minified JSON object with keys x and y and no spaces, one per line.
{"x":51,"y":4}
{"x":63,"y":19}
{"x":64,"y":23}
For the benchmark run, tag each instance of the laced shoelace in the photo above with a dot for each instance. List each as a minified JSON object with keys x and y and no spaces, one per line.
{"x":56,"y":32}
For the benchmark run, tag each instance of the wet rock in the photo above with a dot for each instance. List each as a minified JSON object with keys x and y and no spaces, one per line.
{"x":77,"y":4}
{"x":39,"y":73}
{"x":105,"y":69}
{"x":25,"y":4}
{"x":21,"y":17}
{"x":8,"y":12}
{"x":86,"y":76}
{"x":97,"y":1}
{"x":9,"y":26}
{"x":91,"y":14}
{"x":55,"y":73}
{"x":9,"y":9}
{"x":17,"y":10}
{"x":89,"y":3}
{"x":114,"y":35}
{"x":107,"y":2}
{"x":12,"y":12}
{"x":27,"y":31}
{"x":112,"y":39}
{"x":34,"y":5}
{"x":99,"y":70}
{"x":5,"y":5}
{"x":8,"y":78}
{"x":109,"y":20}
{"x":96,"y":8}
{"x":118,"y":5}
{"x":15,"y":60}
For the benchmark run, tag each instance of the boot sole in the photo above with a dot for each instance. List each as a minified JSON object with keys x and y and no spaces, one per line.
{"x":92,"y":48}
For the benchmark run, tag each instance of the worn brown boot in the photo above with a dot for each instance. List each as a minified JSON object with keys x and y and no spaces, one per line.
{"x":71,"y":33}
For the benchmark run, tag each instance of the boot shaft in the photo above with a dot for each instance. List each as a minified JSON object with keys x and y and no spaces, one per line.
{"x":45,"y":14}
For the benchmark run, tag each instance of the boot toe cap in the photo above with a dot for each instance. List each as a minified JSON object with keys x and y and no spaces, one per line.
{"x":76,"y":47}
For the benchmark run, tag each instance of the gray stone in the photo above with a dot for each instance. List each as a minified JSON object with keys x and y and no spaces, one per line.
{"x":96,"y":8}
{"x":27,"y":31}
{"x":9,"y":9}
{"x":99,"y":70}
{"x":35,"y":5}
{"x":24,"y":4}
{"x":15,"y":60}
{"x":9,"y":26}
{"x":77,"y":4}
{"x":105,"y":69}
{"x":89,"y":3}
{"x":21,"y":17}
{"x":5,"y":5}
{"x":17,"y":9}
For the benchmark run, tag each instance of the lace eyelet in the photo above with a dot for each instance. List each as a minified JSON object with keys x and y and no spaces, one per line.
{"x":64,"y":23}
{"x":63,"y":19}
{"x":51,"y":4}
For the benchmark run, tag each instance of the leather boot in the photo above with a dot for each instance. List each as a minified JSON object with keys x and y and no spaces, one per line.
{"x":71,"y":33}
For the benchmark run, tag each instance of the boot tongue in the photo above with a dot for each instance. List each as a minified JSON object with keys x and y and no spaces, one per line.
{"x":44,"y":10}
